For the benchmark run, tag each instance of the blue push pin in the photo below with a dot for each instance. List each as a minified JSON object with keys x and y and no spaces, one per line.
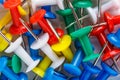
{"x":1,"y":1}
{"x":106,"y":72}
{"x":114,"y":38}
{"x":89,"y":69}
{"x":3,"y":77}
{"x":49,"y":14}
{"x":9,"y":73}
{"x":50,"y":74}
{"x":73,"y":68}
{"x":33,"y":53}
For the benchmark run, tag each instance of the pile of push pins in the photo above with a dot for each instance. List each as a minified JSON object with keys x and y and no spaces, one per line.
{"x":29,"y":37}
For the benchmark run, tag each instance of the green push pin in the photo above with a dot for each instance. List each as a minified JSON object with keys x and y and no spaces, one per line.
{"x":68,"y":18}
{"x":82,"y":35}
{"x":82,"y":3}
{"x":15,"y":63}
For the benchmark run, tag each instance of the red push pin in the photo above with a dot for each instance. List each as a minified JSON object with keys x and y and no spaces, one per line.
{"x":111,"y":21}
{"x":39,"y":18}
{"x":109,"y":51}
{"x":17,"y":27}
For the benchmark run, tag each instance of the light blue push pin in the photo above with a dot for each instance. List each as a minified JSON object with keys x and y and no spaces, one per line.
{"x":49,"y":14}
{"x":33,"y":53}
{"x":106,"y":72}
{"x":114,"y":38}
{"x":50,"y":74}
{"x":9,"y":73}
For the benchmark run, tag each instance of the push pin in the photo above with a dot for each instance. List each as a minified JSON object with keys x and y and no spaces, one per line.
{"x":49,"y":14}
{"x":39,"y":18}
{"x":36,"y":3}
{"x":13,"y":62}
{"x":45,"y":47}
{"x":106,"y":72}
{"x":7,"y":18}
{"x":33,"y":53}
{"x":82,"y":3}
{"x":89,"y":69}
{"x":1,"y":1}
{"x":114,"y":38}
{"x":20,"y":52}
{"x":3,"y":42}
{"x":42,"y":67}
{"x":9,"y":73}
{"x":17,"y":27}
{"x":109,"y":52}
{"x":51,"y":74}
{"x":73,"y":67}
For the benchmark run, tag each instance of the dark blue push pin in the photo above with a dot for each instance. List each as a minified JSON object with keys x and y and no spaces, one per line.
{"x":89,"y":69}
{"x":49,"y":14}
{"x":1,"y":1}
{"x":3,"y":77}
{"x":73,"y":68}
{"x":114,"y":38}
{"x":33,"y":53}
{"x":50,"y":74}
{"x":9,"y":73}
{"x":106,"y":72}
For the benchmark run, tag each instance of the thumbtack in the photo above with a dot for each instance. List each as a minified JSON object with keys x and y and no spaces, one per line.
{"x":20,"y":52}
{"x":88,"y":71}
{"x":82,"y":35}
{"x":109,"y":51}
{"x":9,"y":73}
{"x":106,"y":72}
{"x":114,"y":38}
{"x":13,"y":62}
{"x":7,"y":18}
{"x":49,"y":14}
{"x":51,"y":74}
{"x":3,"y":42}
{"x":42,"y":67}
{"x":17,"y":27}
{"x":38,"y":17}
{"x":45,"y":47}
{"x":33,"y":53}
{"x":92,"y":69}
{"x":73,"y":67}
{"x":36,"y":3}
{"x":82,"y":3}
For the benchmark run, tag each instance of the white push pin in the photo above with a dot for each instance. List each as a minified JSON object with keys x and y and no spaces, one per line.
{"x":36,"y":3}
{"x":41,"y":43}
{"x":20,"y":52}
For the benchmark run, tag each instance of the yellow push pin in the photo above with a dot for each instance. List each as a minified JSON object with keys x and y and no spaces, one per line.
{"x":62,"y":45}
{"x":3,"y":42}
{"x":7,"y":18}
{"x":42,"y":67}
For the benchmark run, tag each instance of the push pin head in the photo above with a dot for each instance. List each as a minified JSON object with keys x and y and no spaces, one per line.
{"x":109,"y":19}
{"x":15,"y":61}
{"x":49,"y":14}
{"x":82,"y":3}
{"x":11,"y":3}
{"x":114,"y":38}
{"x":37,"y":16}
